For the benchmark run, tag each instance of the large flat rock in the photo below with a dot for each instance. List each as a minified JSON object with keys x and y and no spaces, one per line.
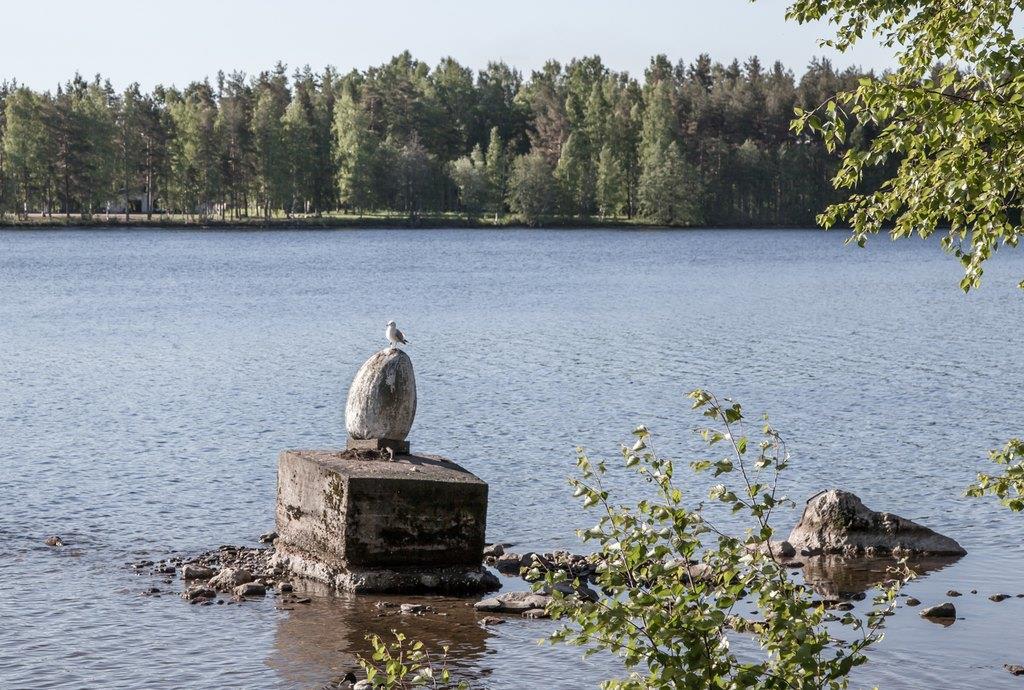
{"x":416,"y":522}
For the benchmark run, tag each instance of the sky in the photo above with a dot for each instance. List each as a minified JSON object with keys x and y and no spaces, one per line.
{"x":175,"y":42}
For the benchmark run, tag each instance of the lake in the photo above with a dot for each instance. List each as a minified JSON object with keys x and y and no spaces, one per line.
{"x":150,"y":378}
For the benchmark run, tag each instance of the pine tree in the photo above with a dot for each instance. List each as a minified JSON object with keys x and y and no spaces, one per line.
{"x":272,"y":150}
{"x":497,"y":173}
{"x":611,"y":184}
{"x":667,"y":188}
{"x":576,"y":175}
{"x":357,"y":150}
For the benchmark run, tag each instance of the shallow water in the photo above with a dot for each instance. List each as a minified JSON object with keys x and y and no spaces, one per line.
{"x":149,"y":379}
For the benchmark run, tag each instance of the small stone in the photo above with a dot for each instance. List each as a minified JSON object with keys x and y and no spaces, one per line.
{"x":286,"y":587}
{"x":946,"y":610}
{"x":953,"y":593}
{"x":54,"y":541}
{"x":1014,"y":669}
{"x":412,"y":608}
{"x":911,"y":601}
{"x":302,"y":600}
{"x":250,"y":589}
{"x":535,"y":613}
{"x":195,"y":593}
{"x":164,"y":569}
{"x":229,"y":578}
{"x":493,"y":550}
{"x":268,"y":538}
{"x":190,"y":571}
{"x":974,"y":591}
{"x":508,"y":563}
{"x":492,"y":620}
{"x":839,"y":606}
{"x":999,"y":597}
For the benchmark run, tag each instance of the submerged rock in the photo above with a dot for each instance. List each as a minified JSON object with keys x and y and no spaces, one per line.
{"x":513,"y":602}
{"x":999,"y":597}
{"x":54,"y":541}
{"x":1014,"y":669}
{"x":838,"y":522}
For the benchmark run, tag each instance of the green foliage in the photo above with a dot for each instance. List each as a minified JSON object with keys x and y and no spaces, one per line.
{"x":531,"y":192}
{"x":612,"y":190}
{"x":948,"y":119}
{"x":1009,"y":486}
{"x":397,"y":665}
{"x":470,"y":176}
{"x":679,"y":587}
{"x":686,"y":144}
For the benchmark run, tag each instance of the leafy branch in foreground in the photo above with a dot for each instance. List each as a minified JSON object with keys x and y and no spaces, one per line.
{"x":397,"y":665}
{"x":679,"y":588}
{"x":1008,"y":487}
{"x":951,"y":116}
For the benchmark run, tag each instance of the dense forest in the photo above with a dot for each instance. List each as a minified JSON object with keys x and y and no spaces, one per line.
{"x":699,"y":143}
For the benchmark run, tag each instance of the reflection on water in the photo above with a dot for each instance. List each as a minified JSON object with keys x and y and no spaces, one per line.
{"x":324,"y":637}
{"x":836,"y":577}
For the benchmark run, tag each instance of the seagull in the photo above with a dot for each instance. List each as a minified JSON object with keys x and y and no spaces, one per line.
{"x":394,"y":335}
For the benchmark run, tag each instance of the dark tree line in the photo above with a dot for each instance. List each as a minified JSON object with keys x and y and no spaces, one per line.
{"x":689,"y":144}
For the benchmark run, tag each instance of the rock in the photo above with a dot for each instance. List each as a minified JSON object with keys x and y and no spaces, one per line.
{"x":782,"y":549}
{"x":837,"y":522}
{"x":303,"y":600}
{"x":513,"y":602}
{"x":946,"y":610}
{"x":54,"y":541}
{"x":536,"y":613}
{"x":582,"y":591}
{"x":412,"y":608}
{"x":1014,"y":669}
{"x":999,"y":597}
{"x":268,"y":538}
{"x":382,"y":399}
{"x":191,"y":571}
{"x":508,"y":563}
{"x":953,"y":593}
{"x":286,"y":587}
{"x":229,"y":578}
{"x":164,"y":569}
{"x":839,"y":605}
{"x":911,"y":601}
{"x":194,"y":593}
{"x":491,"y":620}
{"x":493,"y":550}
{"x":250,"y":589}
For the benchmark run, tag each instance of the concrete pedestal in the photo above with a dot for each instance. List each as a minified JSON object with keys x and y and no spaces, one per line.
{"x":414,"y":524}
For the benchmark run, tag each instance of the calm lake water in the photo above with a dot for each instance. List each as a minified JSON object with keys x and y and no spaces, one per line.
{"x":148,"y":380}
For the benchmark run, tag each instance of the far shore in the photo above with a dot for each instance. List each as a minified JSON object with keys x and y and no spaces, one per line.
{"x":341,"y":221}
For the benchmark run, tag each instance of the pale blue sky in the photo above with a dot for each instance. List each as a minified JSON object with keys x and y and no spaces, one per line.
{"x":45,"y":42}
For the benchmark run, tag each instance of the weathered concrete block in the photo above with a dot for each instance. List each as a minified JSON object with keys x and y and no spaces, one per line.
{"x":413,"y":524}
